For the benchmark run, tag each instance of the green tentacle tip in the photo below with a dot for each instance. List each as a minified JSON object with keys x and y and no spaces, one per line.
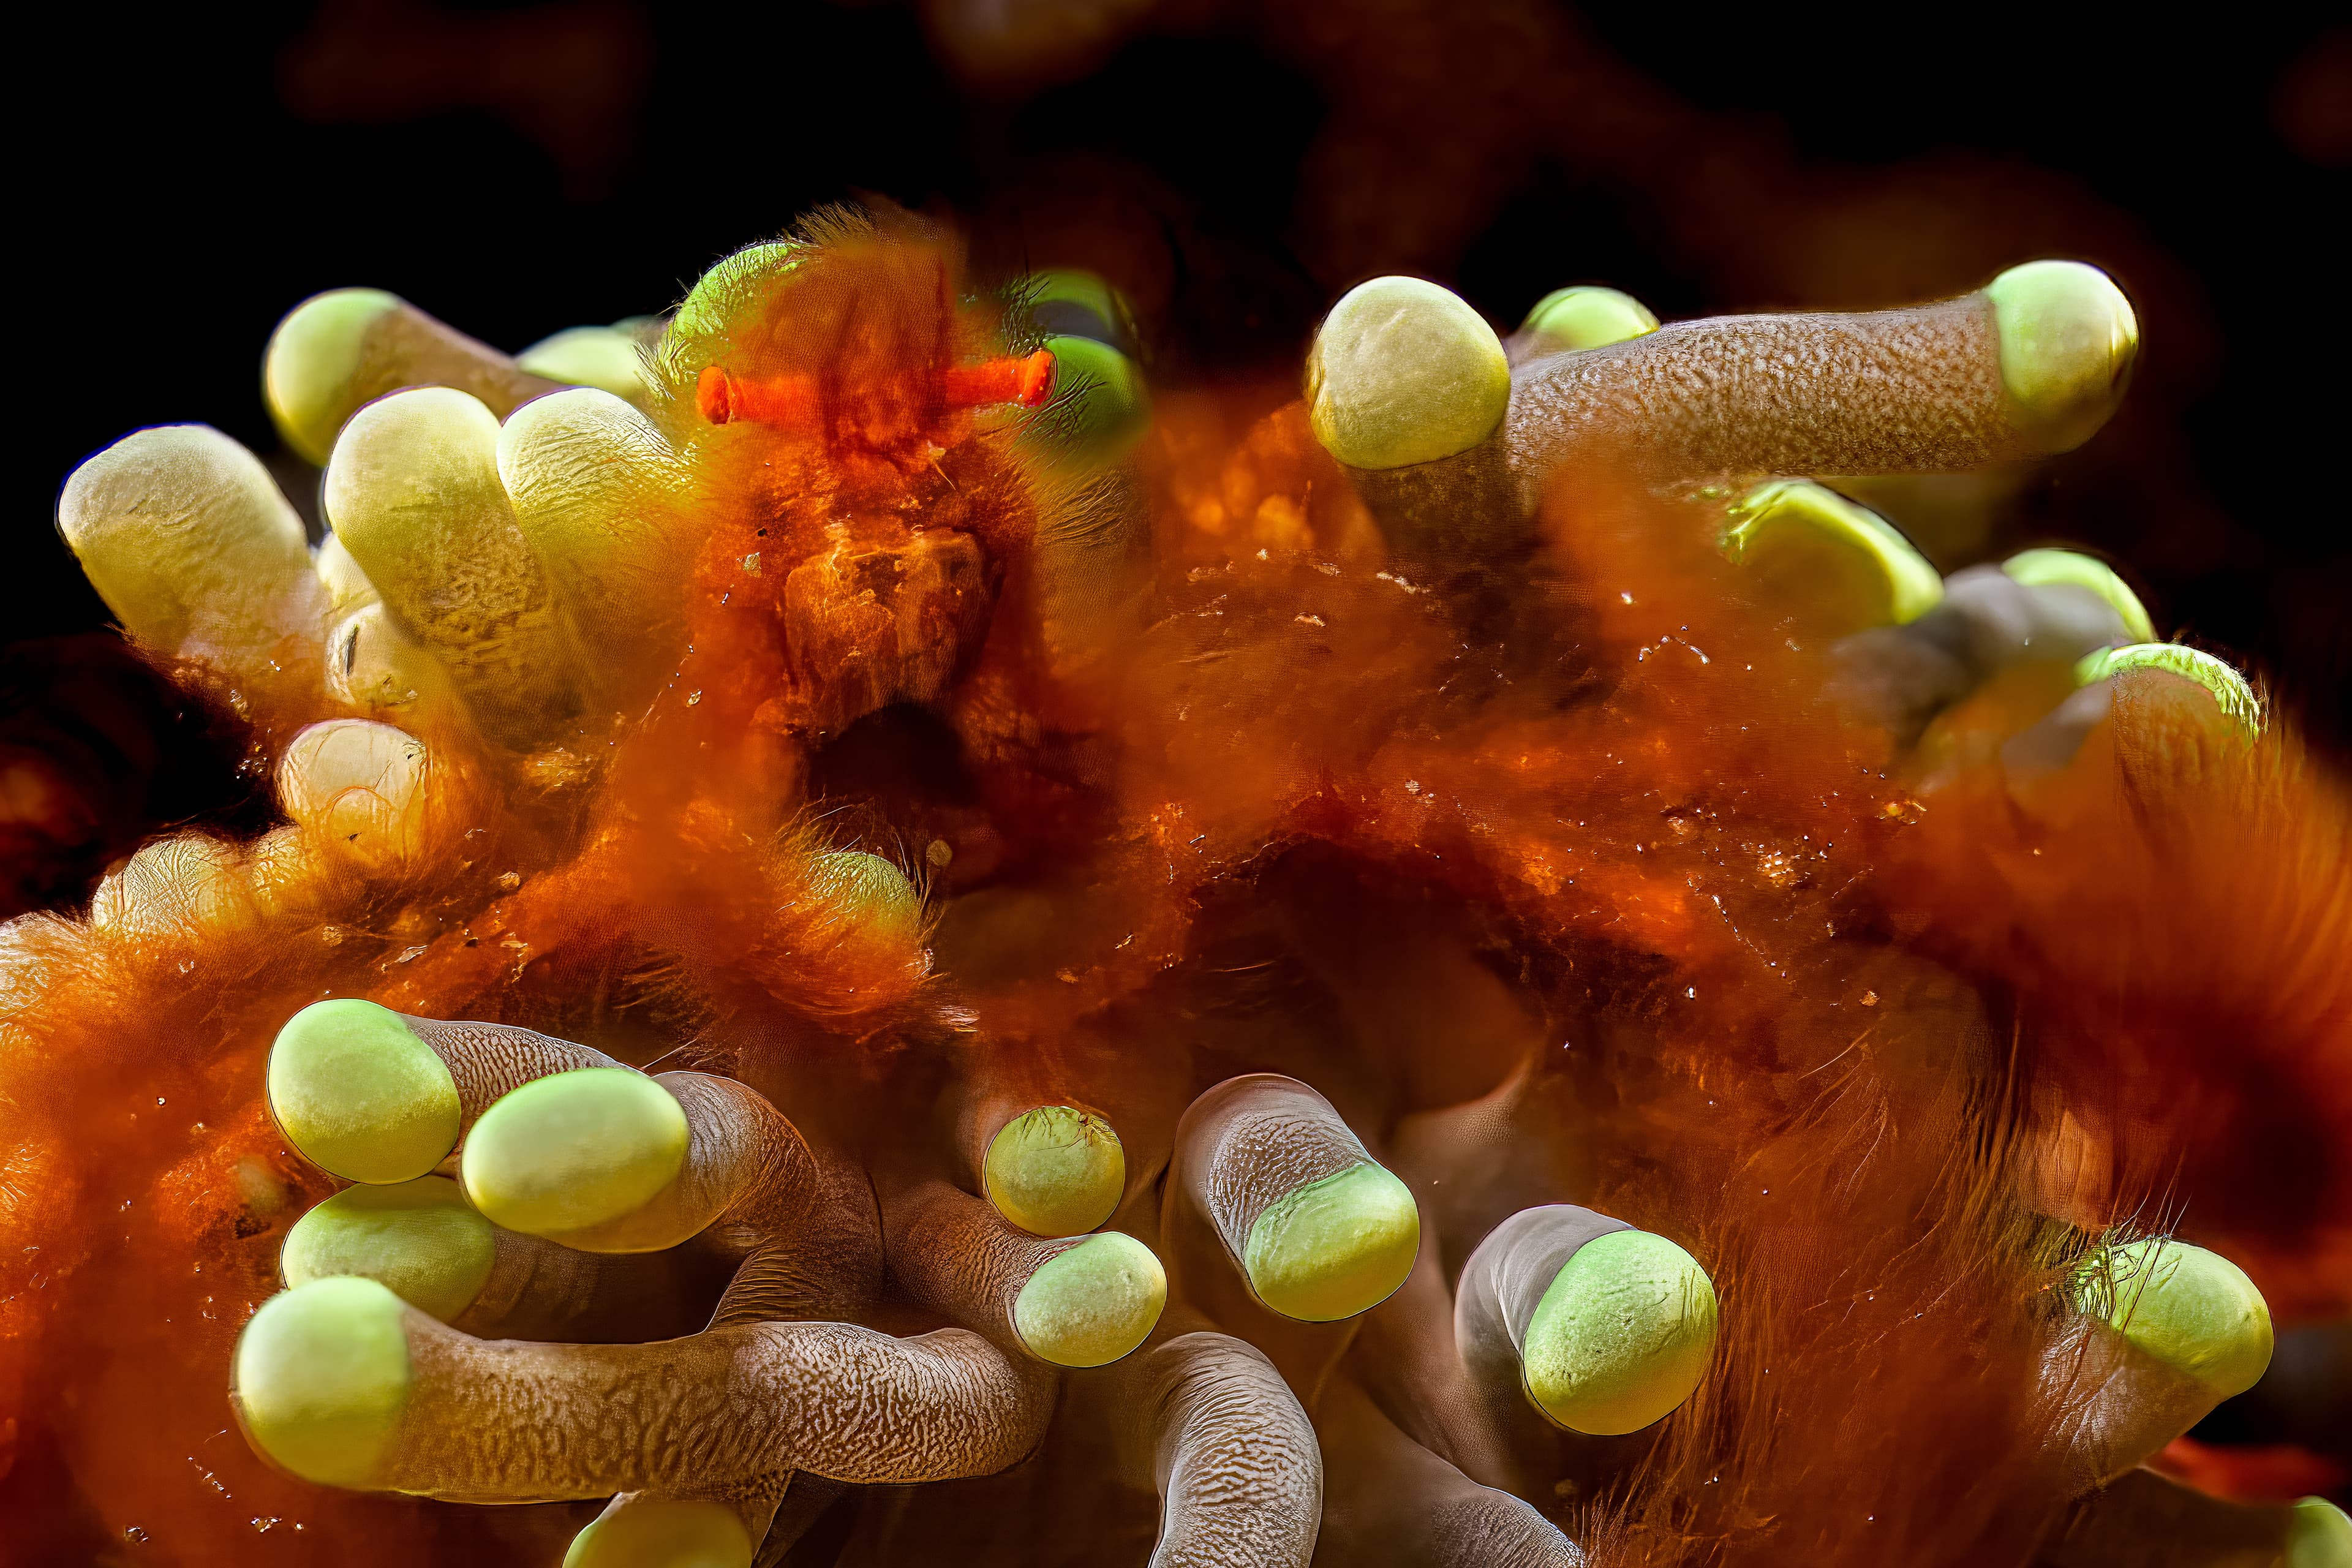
{"x":1811,"y":545}
{"x":1092,"y":1303}
{"x":418,"y":1239}
{"x":605,"y":358}
{"x":1070,"y":301}
{"x":1588,"y":317}
{"x":2320,"y":1537}
{"x":574,"y":1150}
{"x":866,"y":886}
{"x":311,"y":358}
{"x":714,"y":298}
{"x":1334,"y":1247}
{"x":2228,"y":687}
{"x":662,"y":1532}
{"x":1055,"y":1170}
{"x":359,"y":1094}
{"x":2192,"y":1309}
{"x":2067,"y":339}
{"x":1403,"y":371}
{"x":321,"y":1376}
{"x":2072,"y":568}
{"x":1621,"y":1337}
{"x":1100,"y":407}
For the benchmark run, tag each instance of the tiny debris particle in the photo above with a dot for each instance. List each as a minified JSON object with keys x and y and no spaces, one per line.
{"x":509,"y":880}
{"x":938,"y":852}
{"x":751,"y":565}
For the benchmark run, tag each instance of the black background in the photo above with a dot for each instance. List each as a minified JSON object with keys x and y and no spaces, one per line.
{"x":175,"y":208}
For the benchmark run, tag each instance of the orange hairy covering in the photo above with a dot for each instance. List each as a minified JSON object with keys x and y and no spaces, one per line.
{"x":650,"y":882}
{"x":2173,"y":913}
{"x":1789,"y":1023}
{"x":2265,"y":1472}
{"x":1789,"y":1012}
{"x":1645,"y":788}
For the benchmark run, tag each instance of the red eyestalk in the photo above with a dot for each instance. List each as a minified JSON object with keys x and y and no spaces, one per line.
{"x":1027,"y":381}
{"x":791,"y":400}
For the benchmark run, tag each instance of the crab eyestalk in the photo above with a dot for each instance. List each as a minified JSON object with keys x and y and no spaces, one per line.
{"x":795,"y":401}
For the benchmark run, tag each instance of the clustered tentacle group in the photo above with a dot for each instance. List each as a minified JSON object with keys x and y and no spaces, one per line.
{"x":880,"y":946}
